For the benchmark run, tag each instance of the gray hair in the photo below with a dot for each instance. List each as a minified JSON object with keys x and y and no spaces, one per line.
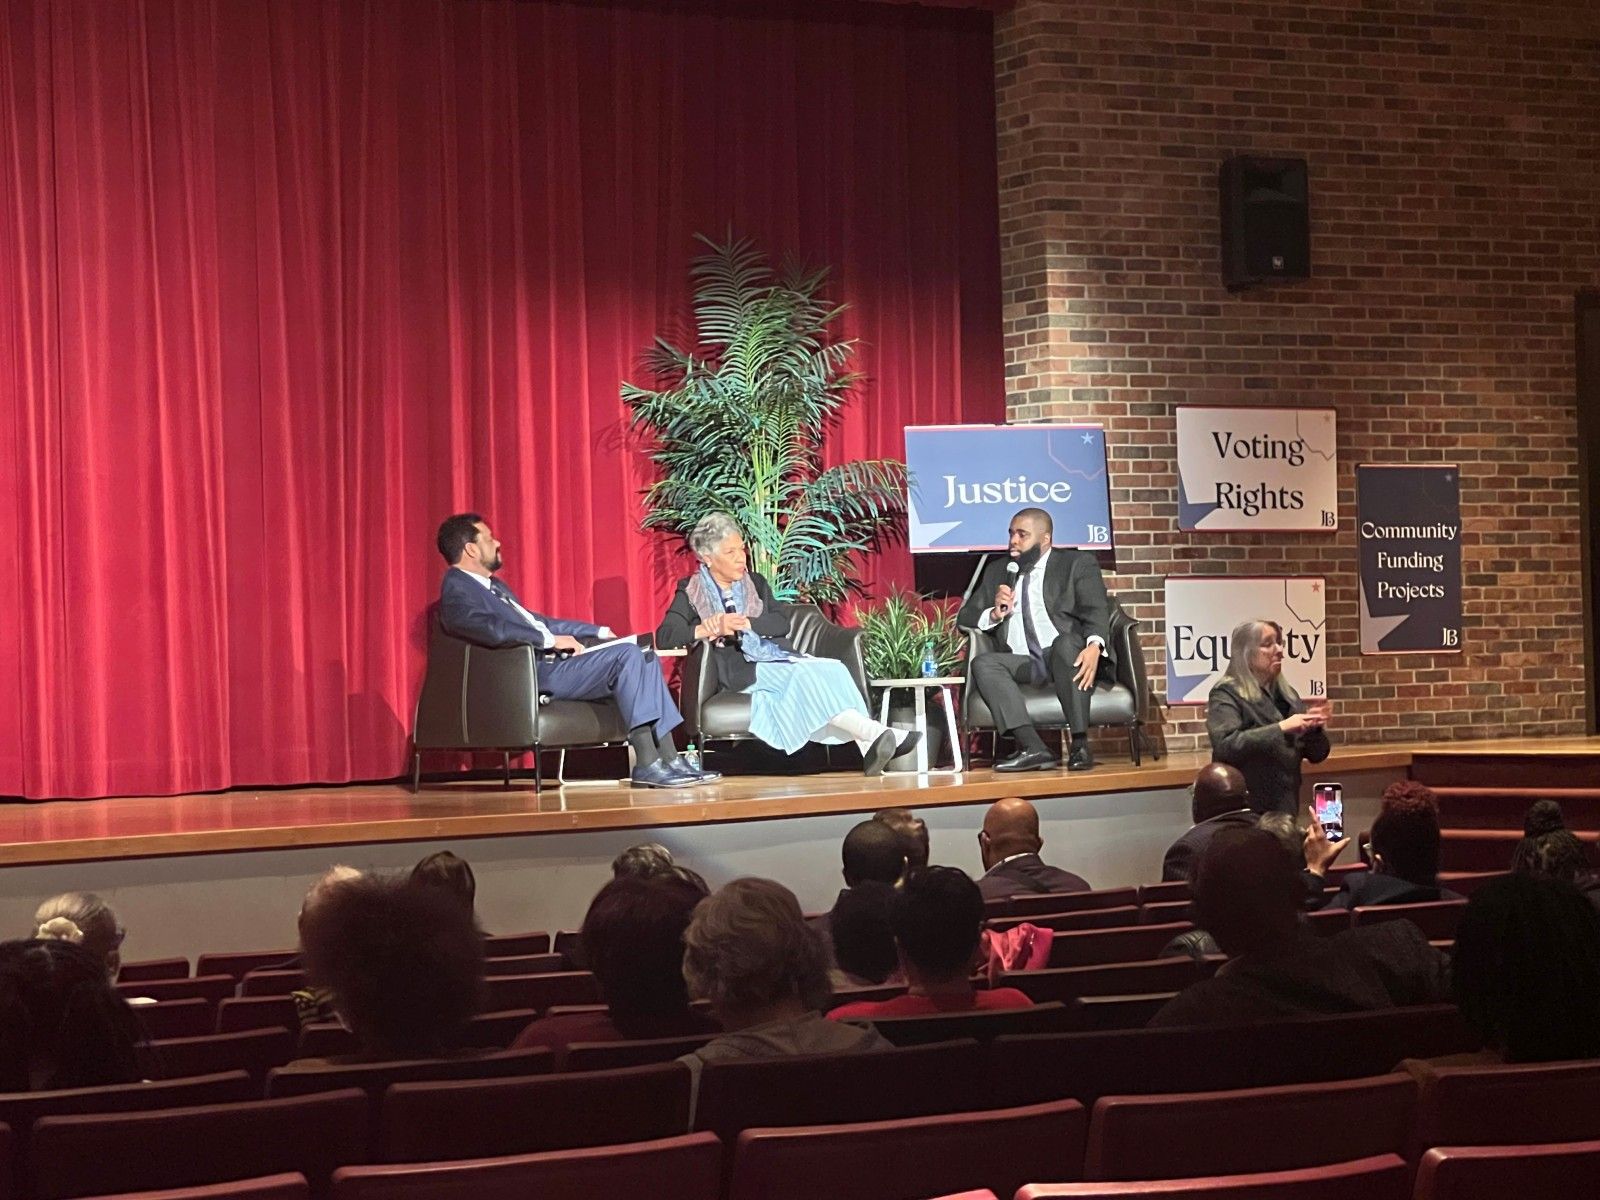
{"x":749,"y":945}
{"x":84,"y":919}
{"x":1246,"y":638}
{"x":642,"y":861}
{"x":710,"y":531}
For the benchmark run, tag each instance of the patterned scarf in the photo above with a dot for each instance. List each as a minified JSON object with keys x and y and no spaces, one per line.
{"x":710,"y":600}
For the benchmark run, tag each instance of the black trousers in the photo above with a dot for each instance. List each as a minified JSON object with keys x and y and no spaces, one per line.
{"x":996,"y":675}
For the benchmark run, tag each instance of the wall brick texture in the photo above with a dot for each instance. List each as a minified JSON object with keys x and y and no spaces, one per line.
{"x":1454,"y":150}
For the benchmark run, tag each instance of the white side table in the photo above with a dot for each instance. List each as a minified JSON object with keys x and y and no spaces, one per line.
{"x":946,"y":684}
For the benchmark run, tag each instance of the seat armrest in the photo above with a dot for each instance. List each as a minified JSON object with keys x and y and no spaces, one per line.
{"x":1130,"y":669}
{"x":697,"y":683}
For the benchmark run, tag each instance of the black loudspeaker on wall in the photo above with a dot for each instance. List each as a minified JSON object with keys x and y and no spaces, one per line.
{"x":1266,"y":220}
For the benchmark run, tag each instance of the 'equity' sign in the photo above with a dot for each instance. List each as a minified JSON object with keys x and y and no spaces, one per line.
{"x":1257,"y":468}
{"x":1201,"y":615}
{"x":968,"y":480}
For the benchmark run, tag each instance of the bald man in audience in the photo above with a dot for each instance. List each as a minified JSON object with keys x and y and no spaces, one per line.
{"x":1010,"y":844}
{"x":1218,"y":799}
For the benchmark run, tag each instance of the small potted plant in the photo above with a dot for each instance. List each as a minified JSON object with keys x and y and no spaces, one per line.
{"x":899,"y":634}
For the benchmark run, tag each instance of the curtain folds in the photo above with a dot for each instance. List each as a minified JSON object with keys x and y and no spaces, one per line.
{"x":288,"y":282}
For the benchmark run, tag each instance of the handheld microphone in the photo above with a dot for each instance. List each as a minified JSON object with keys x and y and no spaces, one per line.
{"x":1011,"y":579}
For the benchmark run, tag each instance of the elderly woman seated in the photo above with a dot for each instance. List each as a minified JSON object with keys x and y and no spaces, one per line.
{"x":749,"y":951}
{"x":794,"y":699}
{"x":86,"y":920}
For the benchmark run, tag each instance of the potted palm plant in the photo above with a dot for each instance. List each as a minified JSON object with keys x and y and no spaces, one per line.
{"x":897,"y":635}
{"x":739,"y":418}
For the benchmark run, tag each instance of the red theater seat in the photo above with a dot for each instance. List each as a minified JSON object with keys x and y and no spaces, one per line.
{"x":153,"y":968}
{"x":483,"y":1117}
{"x":1065,"y":902}
{"x":1088,"y":918}
{"x":603,"y":1056}
{"x":1512,"y":1105}
{"x":271,"y":1187}
{"x":1507,"y":1172}
{"x":238,"y":1013}
{"x":1092,"y":947}
{"x":509,"y":945}
{"x":681,"y":1168}
{"x":525,"y":964}
{"x":825,"y":1089}
{"x":374,"y":1077}
{"x":1437,"y":919}
{"x":1086,"y":1066}
{"x":214,"y":988}
{"x":176,"y":1018}
{"x":182,"y":1147}
{"x":1249,"y":1130}
{"x":272,"y":983}
{"x":999,"y":1149}
{"x":1382,"y":1178}
{"x":254,"y":1050}
{"x":541,"y":992}
{"x":984,"y":1025}
{"x":242,"y":963}
{"x":1162,"y":893}
{"x":1114,"y":979}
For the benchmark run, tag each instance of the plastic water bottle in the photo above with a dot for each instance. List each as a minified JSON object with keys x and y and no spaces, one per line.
{"x":930,"y":665}
{"x":691,"y":754}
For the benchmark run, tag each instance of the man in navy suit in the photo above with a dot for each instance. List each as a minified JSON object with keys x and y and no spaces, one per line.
{"x":477,"y":607}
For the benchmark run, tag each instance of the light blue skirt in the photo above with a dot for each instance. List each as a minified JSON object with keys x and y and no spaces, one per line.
{"x":791,"y":703}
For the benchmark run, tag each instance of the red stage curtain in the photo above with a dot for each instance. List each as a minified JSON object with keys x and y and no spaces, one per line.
{"x":286,"y":283}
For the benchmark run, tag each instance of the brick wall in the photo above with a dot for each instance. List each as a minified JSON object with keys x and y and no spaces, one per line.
{"x":1454,"y":150}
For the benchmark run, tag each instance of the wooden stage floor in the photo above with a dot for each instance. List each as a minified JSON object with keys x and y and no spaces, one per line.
{"x":219,"y":822}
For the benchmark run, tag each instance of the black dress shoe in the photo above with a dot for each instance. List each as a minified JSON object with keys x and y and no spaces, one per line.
{"x":1028,"y":760}
{"x":1081,"y":758}
{"x":879,"y":753}
{"x":683,"y":766}
{"x":659,"y":775}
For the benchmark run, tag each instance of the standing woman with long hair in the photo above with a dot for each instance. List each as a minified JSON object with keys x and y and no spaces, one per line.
{"x":1258,"y":722}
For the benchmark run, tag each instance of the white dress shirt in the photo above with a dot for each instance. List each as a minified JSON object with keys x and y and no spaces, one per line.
{"x":1043,"y":626}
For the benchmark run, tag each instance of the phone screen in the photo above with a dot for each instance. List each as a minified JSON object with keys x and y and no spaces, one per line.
{"x":1327,"y":801}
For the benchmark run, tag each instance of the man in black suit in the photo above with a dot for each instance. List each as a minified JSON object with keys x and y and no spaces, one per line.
{"x":1010,"y":845}
{"x":1218,"y":800}
{"x":1053,"y":619}
{"x":477,"y":607}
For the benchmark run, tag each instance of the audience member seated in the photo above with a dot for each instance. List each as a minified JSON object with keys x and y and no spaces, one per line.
{"x":872,"y":851}
{"x":749,"y":951}
{"x":314,"y":1005}
{"x":633,"y":942}
{"x":642,"y":861}
{"x":1010,"y":845}
{"x":1247,"y":895}
{"x":86,"y":920}
{"x":403,"y":964}
{"x":62,"y":1024}
{"x":1526,"y":974}
{"x":937,"y":916}
{"x":451,"y":875}
{"x":863,"y":940}
{"x":910,"y":826}
{"x":1217,"y":800}
{"x":1549,"y":848}
{"x":1405,"y":853}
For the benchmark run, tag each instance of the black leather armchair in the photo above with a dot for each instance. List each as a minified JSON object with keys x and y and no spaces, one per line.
{"x":1118,"y":703}
{"x":708,"y":713}
{"x":475,"y":698}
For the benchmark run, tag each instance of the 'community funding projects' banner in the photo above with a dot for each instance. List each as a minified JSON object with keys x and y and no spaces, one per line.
{"x":1410,"y":535}
{"x":1266,"y":469}
{"x":1201,"y":614}
{"x":968,"y":480}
